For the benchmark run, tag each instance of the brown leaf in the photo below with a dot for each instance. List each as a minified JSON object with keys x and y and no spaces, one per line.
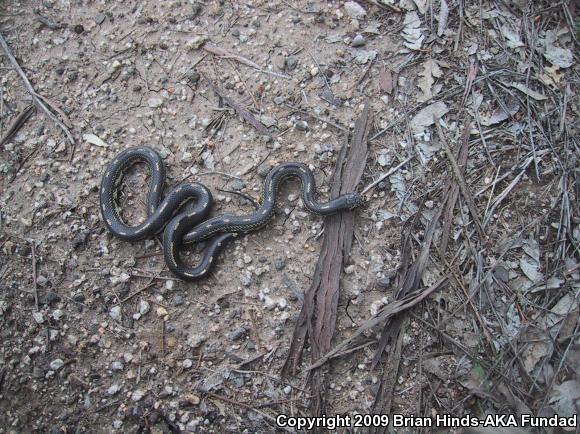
{"x":386,"y":81}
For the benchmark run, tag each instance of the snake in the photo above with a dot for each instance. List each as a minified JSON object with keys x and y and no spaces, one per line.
{"x":182,"y":215}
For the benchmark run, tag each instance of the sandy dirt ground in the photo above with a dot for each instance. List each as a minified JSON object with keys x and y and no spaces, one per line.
{"x":96,"y":335}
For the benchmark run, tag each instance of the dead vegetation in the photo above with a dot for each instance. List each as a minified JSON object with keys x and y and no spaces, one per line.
{"x":455,"y":291}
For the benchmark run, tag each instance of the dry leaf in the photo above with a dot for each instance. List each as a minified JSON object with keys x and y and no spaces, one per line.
{"x":531,"y":93}
{"x":94,"y":140}
{"x":512,"y":37}
{"x":561,"y":57}
{"x":563,"y":397}
{"x":551,"y":76}
{"x":412,"y":32}
{"x":426,"y":116}
{"x":443,"y":17}
{"x":430,"y":71}
{"x":386,"y":81}
{"x":500,"y":115}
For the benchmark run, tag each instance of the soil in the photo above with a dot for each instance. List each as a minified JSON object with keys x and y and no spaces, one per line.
{"x":96,"y":334}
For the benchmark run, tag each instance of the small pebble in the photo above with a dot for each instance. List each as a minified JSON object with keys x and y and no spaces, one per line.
{"x":113,"y":389}
{"x":291,"y":62}
{"x":115,"y":313}
{"x":56,"y":364}
{"x":238,"y":185}
{"x":264,"y":169}
{"x":137,"y":395}
{"x":144,"y":307}
{"x":38,"y":317}
{"x":358,"y":41}
{"x":177,"y":300}
{"x":161,"y":311}
{"x":100,"y":18}
{"x":302,"y":126}
{"x":238,"y":334}
{"x":187,"y":363}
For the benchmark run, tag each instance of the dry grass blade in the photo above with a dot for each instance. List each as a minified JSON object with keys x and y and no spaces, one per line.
{"x":220,"y":52}
{"x":453,"y":190}
{"x":41,"y":102}
{"x":18,"y":123}
{"x":383,"y":315}
{"x":240,"y":109}
{"x":462,"y":185}
{"x":411,"y":278}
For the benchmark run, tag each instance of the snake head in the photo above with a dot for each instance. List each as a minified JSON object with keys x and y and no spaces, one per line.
{"x":354,"y":200}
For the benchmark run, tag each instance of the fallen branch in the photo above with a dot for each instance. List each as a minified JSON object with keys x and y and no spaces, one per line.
{"x":317,"y":321}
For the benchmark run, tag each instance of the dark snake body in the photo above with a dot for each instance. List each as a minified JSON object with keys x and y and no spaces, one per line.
{"x":194,"y":200}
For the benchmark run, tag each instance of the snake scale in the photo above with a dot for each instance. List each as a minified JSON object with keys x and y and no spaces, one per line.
{"x":182,"y":214}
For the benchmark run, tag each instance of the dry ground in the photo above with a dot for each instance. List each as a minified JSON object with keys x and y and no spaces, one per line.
{"x":96,"y":335}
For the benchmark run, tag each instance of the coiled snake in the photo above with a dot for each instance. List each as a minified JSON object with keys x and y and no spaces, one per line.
{"x":182,"y":214}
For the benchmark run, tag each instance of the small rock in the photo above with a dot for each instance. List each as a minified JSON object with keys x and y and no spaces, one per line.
{"x":187,"y":363}
{"x":161,"y":311}
{"x":247,"y":259}
{"x":354,"y":10}
{"x":155,"y":101}
{"x":291,"y":62}
{"x":187,"y":157}
{"x":117,"y":366}
{"x":268,"y":121}
{"x":384,"y":282}
{"x":137,"y":395}
{"x":279,"y":100}
{"x":238,"y":334}
{"x":350,"y":269}
{"x":57,"y":314}
{"x":113,"y":389}
{"x":169,"y":284}
{"x":100,"y":18}
{"x":279,"y":264}
{"x":193,"y":77}
{"x":144,"y":307}
{"x":264,"y":169}
{"x":191,"y":399}
{"x":238,"y":185}
{"x":358,"y":41}
{"x":302,"y":126}
{"x":115,"y":313}
{"x":177,"y":300}
{"x":288,"y":389}
{"x":38,"y":317}
{"x":56,"y":364}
